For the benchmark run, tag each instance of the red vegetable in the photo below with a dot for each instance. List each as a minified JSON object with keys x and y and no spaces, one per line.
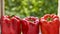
{"x":50,"y":27}
{"x":16,"y":24}
{"x":10,"y":26}
{"x":5,"y":25}
{"x":30,"y":25}
{"x":6,"y":16}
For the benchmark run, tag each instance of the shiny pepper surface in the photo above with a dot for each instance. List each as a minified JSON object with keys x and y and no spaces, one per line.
{"x":6,"y":25}
{"x":49,"y":27}
{"x":29,"y":27}
{"x":16,"y":24}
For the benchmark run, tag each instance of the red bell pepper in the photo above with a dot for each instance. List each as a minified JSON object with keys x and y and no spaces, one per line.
{"x":16,"y":24}
{"x":29,"y":27}
{"x":6,"y":16}
{"x":50,"y":27}
{"x":6,"y":25}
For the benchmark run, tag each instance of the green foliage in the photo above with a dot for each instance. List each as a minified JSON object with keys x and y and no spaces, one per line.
{"x":36,"y":8}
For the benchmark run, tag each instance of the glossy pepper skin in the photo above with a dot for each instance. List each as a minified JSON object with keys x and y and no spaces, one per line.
{"x":30,"y":27}
{"x":49,"y":27}
{"x":6,"y":25}
{"x":59,"y":26}
{"x":16,"y":24}
{"x":6,"y":16}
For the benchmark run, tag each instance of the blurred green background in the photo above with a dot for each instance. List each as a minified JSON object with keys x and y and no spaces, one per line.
{"x":38,"y":8}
